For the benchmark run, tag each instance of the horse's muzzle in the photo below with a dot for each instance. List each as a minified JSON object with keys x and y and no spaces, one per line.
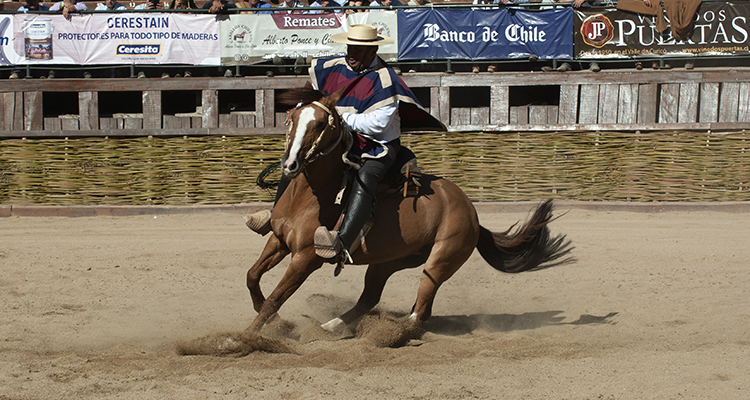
{"x":290,"y":169}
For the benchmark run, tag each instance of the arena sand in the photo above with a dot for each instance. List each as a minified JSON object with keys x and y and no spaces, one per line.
{"x":657,"y":306}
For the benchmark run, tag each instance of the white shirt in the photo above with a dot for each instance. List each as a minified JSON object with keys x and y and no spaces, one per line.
{"x":382,"y":124}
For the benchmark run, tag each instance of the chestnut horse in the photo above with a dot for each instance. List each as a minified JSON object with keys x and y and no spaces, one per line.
{"x":438,"y":228}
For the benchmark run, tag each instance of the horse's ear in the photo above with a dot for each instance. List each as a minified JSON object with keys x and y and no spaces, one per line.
{"x":334,"y":97}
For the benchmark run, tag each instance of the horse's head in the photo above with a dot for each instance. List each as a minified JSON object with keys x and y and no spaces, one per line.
{"x":314,"y":130}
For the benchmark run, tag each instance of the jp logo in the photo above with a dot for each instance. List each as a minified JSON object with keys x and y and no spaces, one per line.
{"x":597,"y":30}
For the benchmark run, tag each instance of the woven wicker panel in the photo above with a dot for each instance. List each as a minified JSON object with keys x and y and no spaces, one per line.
{"x":659,"y":166}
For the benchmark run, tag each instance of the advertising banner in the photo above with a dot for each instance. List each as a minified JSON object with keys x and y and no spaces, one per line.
{"x":7,"y":55}
{"x":248,"y":38}
{"x":719,"y":29}
{"x":485,"y":34}
{"x":148,"y":38}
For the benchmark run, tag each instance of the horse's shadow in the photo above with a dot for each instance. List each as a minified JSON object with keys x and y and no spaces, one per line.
{"x":454,"y":325}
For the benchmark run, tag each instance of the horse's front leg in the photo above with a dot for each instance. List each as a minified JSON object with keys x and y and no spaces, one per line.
{"x":272,"y":254}
{"x":302,"y":265}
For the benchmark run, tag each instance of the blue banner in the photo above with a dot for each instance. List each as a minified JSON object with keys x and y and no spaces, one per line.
{"x":485,"y":34}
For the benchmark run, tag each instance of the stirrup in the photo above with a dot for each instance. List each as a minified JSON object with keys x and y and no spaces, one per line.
{"x":327,"y":243}
{"x":259,"y":222}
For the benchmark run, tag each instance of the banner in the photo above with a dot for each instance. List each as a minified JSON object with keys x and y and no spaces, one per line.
{"x":485,"y":34}
{"x":248,"y":38}
{"x":148,"y":38}
{"x":719,"y":29}
{"x":7,"y":55}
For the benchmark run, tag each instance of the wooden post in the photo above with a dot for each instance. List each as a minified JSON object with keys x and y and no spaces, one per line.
{"x":729,"y":101}
{"x":435,"y":102}
{"x":260,"y":96}
{"x":647,"y":103}
{"x":709,"y":110}
{"x":18,"y":112}
{"x":151,"y":109}
{"x":627,"y":109}
{"x":8,"y":101}
{"x":32,"y":111}
{"x":670,"y":97}
{"x":688,"y":108}
{"x":499,"y":105}
{"x":568,"y":111}
{"x":743,"y":114}
{"x":88,"y":110}
{"x":268,"y":108}
{"x":210,"y":103}
{"x":608,"y":94}
{"x":589,"y":104}
{"x":445,"y":105}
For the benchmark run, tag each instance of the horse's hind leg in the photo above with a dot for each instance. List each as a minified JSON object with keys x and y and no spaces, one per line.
{"x":375,"y":278}
{"x":446,"y":258}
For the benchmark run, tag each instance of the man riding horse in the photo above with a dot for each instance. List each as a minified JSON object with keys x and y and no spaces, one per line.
{"x":373,"y":101}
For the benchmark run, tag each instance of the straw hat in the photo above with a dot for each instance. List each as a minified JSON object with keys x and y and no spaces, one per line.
{"x":362,"y":35}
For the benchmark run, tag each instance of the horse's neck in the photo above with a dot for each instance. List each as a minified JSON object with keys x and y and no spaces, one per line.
{"x":323,"y":178}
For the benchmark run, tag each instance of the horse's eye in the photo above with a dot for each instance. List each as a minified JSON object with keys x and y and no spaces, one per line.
{"x":320,"y":126}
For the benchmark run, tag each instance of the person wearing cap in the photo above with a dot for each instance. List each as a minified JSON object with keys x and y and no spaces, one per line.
{"x":371,"y":103}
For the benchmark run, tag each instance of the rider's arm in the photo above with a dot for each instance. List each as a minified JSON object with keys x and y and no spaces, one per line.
{"x":378,"y":124}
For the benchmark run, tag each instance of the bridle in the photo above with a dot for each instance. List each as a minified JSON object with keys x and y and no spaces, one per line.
{"x":311,"y":154}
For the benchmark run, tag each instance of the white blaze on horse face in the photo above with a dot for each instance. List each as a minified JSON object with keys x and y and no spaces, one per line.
{"x":306,"y":116}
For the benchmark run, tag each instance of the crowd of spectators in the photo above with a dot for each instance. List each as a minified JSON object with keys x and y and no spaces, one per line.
{"x":272,"y":6}
{"x":264,"y":7}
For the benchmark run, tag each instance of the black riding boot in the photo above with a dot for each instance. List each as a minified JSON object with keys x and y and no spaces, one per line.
{"x":333,"y":245}
{"x":360,"y":204}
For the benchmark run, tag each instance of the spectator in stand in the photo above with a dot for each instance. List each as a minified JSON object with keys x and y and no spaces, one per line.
{"x":384,"y":3}
{"x":254,"y":4}
{"x":32,"y":5}
{"x":418,"y":2}
{"x":182,"y":5}
{"x":68,"y":6}
{"x":110,"y":5}
{"x":585,"y":3}
{"x":219,"y":6}
{"x":148,"y":5}
{"x":323,"y":3}
{"x":291,"y":4}
{"x":355,"y":3}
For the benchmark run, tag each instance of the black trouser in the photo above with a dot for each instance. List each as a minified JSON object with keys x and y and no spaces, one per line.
{"x":362,"y":197}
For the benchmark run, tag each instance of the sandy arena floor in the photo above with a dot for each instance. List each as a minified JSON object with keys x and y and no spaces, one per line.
{"x":657,"y":306}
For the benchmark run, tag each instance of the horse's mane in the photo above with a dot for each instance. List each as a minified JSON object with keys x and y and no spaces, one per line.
{"x":292,"y":97}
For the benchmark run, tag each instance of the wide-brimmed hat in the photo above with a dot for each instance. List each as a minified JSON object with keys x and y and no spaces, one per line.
{"x":362,"y":35}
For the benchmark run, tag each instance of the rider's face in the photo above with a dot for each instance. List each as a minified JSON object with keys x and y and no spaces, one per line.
{"x":360,"y":57}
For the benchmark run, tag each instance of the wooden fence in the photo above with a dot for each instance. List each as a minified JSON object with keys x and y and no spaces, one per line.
{"x":617,"y":100}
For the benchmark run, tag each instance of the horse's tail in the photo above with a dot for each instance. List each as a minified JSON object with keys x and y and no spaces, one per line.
{"x":528,"y":248}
